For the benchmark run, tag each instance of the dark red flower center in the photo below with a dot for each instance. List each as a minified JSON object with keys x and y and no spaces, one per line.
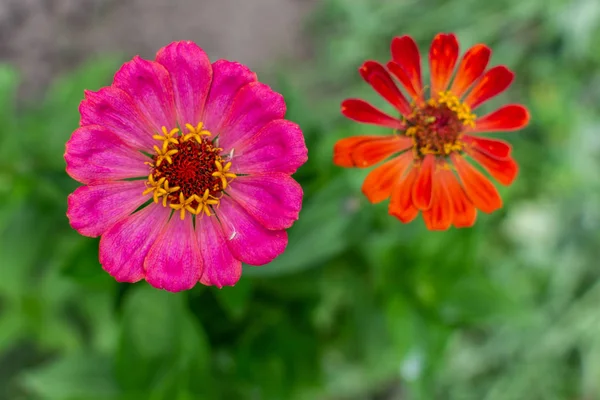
{"x":437,"y":127}
{"x":187,"y":171}
{"x":191,"y":169}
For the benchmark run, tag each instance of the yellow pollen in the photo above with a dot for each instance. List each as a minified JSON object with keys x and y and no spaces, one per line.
{"x":436,"y":128}
{"x":184,"y":205}
{"x":463,"y":111}
{"x":223,"y":173}
{"x":156,"y":186}
{"x":170,"y":144}
{"x":204,"y":202}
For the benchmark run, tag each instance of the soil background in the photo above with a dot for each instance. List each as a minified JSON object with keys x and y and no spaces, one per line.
{"x":45,"y":38}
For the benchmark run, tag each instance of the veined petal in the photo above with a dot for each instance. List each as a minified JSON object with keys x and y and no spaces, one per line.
{"x":174,"y":262}
{"x":228,"y":78}
{"x":405,"y":54}
{"x":464,"y":213}
{"x":191,"y":75}
{"x":439,"y":217}
{"x":93,"y":209}
{"x":492,"y":147}
{"x":221,"y":268}
{"x":125,"y":245}
{"x":401,"y":204}
{"x":422,"y":190}
{"x":115,"y":110}
{"x":479,"y":189}
{"x":503,"y":170}
{"x":94,"y":154}
{"x":378,"y":77}
{"x":442,"y":59}
{"x":149,"y":85}
{"x":248,"y":240}
{"x":278,"y":147}
{"x":379,"y":183}
{"x":507,"y":118}
{"x":471,"y":67}
{"x":492,"y":83}
{"x":254,"y":106}
{"x":364,"y":151}
{"x":274,"y":200}
{"x":361,"y":111}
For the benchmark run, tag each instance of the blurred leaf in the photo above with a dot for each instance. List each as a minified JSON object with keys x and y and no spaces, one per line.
{"x":79,"y":376}
{"x":318,"y":235}
{"x":8,"y":83}
{"x":48,"y":134}
{"x":161,"y":346}
{"x":235,"y":300}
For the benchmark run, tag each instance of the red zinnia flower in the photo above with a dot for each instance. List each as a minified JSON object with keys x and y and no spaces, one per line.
{"x":433,"y":137}
{"x":186,"y":170}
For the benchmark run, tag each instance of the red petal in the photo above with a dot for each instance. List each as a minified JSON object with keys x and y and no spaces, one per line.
{"x":402,"y":76}
{"x":492,"y":147}
{"x":378,"y":77}
{"x":479,"y":189}
{"x":491,"y":84}
{"x":503,"y":170}
{"x":361,"y":111}
{"x":379,"y":183}
{"x":471,"y":67}
{"x":401,"y":205}
{"x":508,"y":118}
{"x":364,"y":151}
{"x":405,"y":54}
{"x":442,"y":59}
{"x":422,"y":190}
{"x":463,"y":211}
{"x":439,"y":216}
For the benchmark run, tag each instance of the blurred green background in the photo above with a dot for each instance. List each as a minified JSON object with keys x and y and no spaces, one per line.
{"x":360,"y":306}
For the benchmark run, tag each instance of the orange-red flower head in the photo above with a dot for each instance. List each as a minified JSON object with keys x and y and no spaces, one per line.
{"x":427,"y":168}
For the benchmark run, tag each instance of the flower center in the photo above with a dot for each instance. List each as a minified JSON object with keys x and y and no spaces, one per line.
{"x":437,"y":127}
{"x":187,"y":172}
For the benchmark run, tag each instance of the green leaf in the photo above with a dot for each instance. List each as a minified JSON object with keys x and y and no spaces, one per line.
{"x":319,"y":234}
{"x":9,"y":80}
{"x":235,"y":299}
{"x":79,"y":376}
{"x":47,"y":133}
{"x":161,"y":346}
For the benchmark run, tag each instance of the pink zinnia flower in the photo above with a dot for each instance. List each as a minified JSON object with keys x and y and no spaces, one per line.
{"x":186,"y":167}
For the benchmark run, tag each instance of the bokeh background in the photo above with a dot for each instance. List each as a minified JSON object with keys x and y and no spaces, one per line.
{"x":360,"y":306}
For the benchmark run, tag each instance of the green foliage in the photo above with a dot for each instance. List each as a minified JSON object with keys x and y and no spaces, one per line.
{"x":360,"y":306}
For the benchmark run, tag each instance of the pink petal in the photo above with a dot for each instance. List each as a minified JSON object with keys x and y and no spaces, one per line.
{"x":115,"y":110}
{"x":124,"y":247}
{"x":254,"y":106}
{"x":278,"y":147}
{"x":274,"y":200}
{"x":174,"y":262}
{"x":148,"y":83}
{"x":228,"y":78}
{"x":191,"y":75}
{"x":221,"y":268}
{"x":247,"y":239}
{"x":93,"y":209}
{"x":94,"y":154}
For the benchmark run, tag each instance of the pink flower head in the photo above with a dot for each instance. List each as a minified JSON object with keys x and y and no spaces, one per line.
{"x":186,"y":167}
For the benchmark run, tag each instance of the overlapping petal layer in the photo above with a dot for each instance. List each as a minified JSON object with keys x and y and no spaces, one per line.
{"x":120,"y":126}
